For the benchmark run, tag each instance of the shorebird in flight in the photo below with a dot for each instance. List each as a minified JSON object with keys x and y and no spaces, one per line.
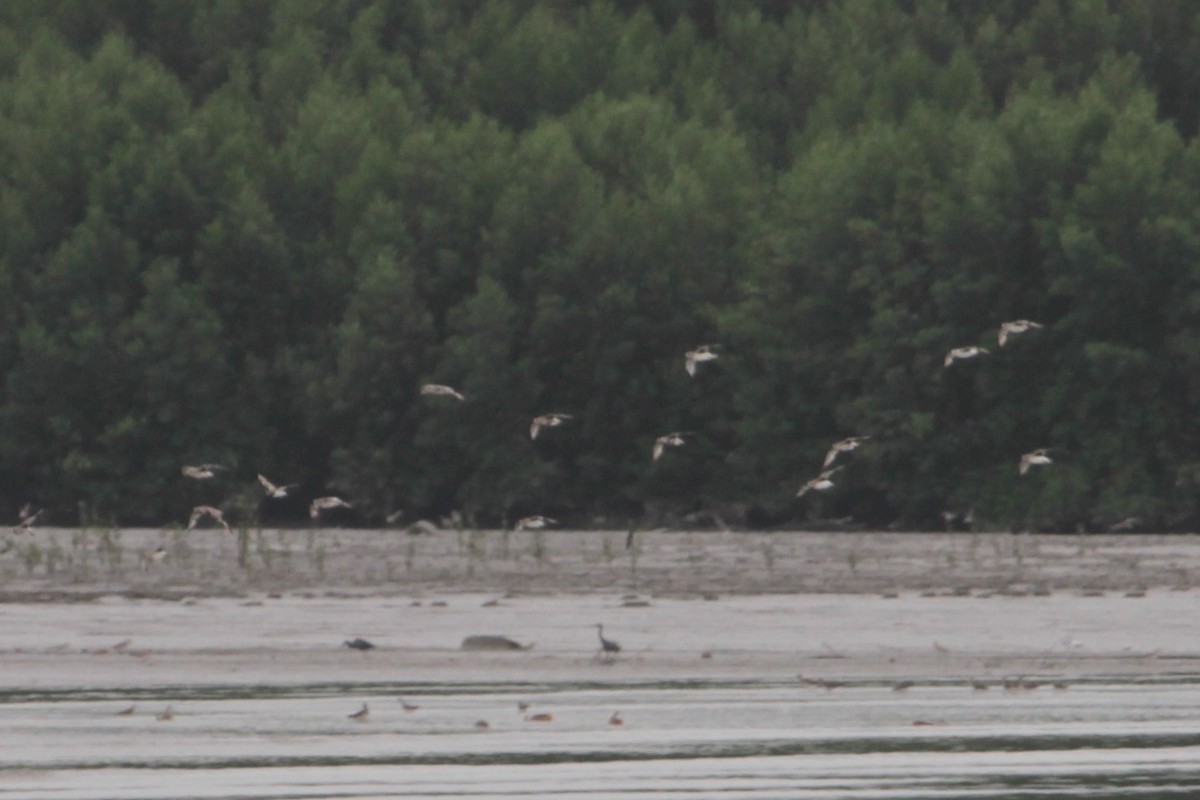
{"x":26,"y":517}
{"x":201,"y":472}
{"x":698,"y":356}
{"x":1016,"y":326}
{"x":441,"y":390}
{"x":666,"y":440}
{"x":821,"y":483}
{"x":1037,"y":458}
{"x":534,"y":523}
{"x":277,"y":492}
{"x":320,"y":504}
{"x":200,"y":512}
{"x":964,"y":353}
{"x":844,"y":446}
{"x":547,"y":421}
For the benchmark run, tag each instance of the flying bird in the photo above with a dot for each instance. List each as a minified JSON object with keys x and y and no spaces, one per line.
{"x":201,"y":472}
{"x":1016,"y":326}
{"x":964,"y":353}
{"x":844,"y":446}
{"x":441,"y":390}
{"x":320,"y":504}
{"x":1037,"y":458}
{"x":821,"y":483}
{"x":26,"y":517}
{"x":277,"y":492}
{"x":546,"y":421}
{"x":534,"y":523}
{"x":200,"y":512}
{"x":700,"y":355}
{"x":665,"y":441}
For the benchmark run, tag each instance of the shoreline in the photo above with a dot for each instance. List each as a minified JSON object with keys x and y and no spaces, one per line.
{"x":50,"y":565}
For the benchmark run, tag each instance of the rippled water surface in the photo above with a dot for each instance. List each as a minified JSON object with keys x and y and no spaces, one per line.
{"x":722,"y":739}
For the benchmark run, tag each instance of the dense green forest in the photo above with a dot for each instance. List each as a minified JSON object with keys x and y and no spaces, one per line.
{"x":246,"y":232}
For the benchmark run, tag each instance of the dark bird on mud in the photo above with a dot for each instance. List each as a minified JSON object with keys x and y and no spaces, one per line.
{"x":408,"y":706}
{"x":167,"y":715}
{"x":482,"y":724}
{"x":358,"y":644}
{"x":126,"y":712}
{"x":615,"y":719}
{"x":540,"y":718}
{"x":361,"y":714}
{"x":608,"y":648}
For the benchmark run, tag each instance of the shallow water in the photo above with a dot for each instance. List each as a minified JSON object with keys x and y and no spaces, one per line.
{"x":1099,"y":738}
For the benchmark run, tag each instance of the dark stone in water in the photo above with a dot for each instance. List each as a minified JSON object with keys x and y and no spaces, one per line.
{"x":492,"y":643}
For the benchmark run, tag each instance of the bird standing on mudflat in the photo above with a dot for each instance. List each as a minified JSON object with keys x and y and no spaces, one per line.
{"x":608,"y":648}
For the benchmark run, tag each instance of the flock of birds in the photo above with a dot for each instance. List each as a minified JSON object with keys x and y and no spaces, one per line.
{"x":693,"y":359}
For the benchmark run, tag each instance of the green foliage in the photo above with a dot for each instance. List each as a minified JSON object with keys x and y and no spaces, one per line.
{"x":247,"y":231}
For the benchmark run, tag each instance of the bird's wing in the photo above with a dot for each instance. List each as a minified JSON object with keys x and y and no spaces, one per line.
{"x":534,"y":427}
{"x":658,"y":450}
{"x":270,"y":487}
{"x":689,"y":363}
{"x":831,"y":455}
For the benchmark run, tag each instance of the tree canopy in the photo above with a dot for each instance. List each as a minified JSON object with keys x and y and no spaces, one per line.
{"x":246,"y":232}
